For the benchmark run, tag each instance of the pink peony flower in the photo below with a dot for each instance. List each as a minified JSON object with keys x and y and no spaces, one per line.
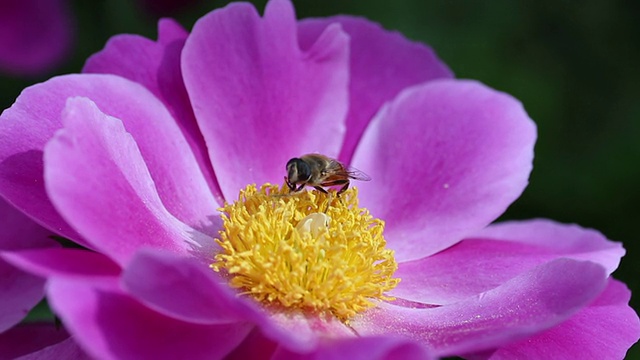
{"x":35,"y":35}
{"x":133,"y":158}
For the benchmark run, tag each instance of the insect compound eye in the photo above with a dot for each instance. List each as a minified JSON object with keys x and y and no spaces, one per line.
{"x":304,"y":170}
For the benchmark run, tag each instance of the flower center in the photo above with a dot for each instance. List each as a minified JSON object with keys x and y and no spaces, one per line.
{"x":307,"y":251}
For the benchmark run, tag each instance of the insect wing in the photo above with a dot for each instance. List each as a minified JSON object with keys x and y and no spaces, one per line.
{"x":356,"y":174}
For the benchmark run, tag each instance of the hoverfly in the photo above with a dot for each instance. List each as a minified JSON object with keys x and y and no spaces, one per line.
{"x":320,"y":171}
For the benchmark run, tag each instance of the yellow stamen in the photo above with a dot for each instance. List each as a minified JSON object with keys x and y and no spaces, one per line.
{"x":298,"y":252}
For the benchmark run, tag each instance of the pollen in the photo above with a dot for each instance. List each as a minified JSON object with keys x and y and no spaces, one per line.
{"x":306,"y":252}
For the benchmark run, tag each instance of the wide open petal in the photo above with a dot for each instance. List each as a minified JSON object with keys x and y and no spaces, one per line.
{"x":523,"y":306}
{"x":19,"y":293}
{"x":382,"y":63}
{"x":37,"y":113}
{"x":156,"y":65}
{"x":497,"y":254}
{"x":569,"y":240}
{"x":361,"y":348}
{"x":26,"y":339}
{"x":62,"y":262}
{"x":199,"y":297}
{"x":35,"y":35}
{"x":446,"y":159}
{"x":109,"y":324}
{"x":259,"y":99}
{"x":20,"y":232}
{"x":605,"y":329}
{"x":99,"y":182}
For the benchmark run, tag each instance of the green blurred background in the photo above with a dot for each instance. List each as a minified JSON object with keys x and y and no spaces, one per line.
{"x":573,"y":65}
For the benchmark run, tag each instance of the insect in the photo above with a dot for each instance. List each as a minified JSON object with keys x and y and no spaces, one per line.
{"x":320,"y":171}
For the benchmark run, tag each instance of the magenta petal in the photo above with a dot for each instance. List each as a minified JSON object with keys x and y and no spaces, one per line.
{"x":19,"y":292}
{"x":197,"y":295}
{"x":568,"y":240}
{"x":156,"y":65}
{"x":523,"y":306}
{"x":259,"y":99}
{"x":496,"y":254}
{"x":31,"y":122}
{"x":361,"y":348}
{"x":19,"y":231}
{"x":26,"y":339}
{"x":35,"y":35}
{"x":475,"y":147}
{"x":115,"y":205}
{"x":382,"y":63}
{"x":605,"y":329}
{"x":109,"y":324}
{"x":254,"y":346}
{"x":62,"y":262}
{"x":66,"y":349}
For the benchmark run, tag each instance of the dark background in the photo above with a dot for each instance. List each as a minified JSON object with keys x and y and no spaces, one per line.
{"x":575,"y":66}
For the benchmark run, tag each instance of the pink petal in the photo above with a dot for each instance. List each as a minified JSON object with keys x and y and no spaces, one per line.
{"x":156,"y":66}
{"x":66,"y":349}
{"x":606,"y":329}
{"x":382,"y":63}
{"x":361,"y":348}
{"x":254,"y":346}
{"x":37,"y":114}
{"x":523,"y":306}
{"x":35,"y":35}
{"x":19,"y":231}
{"x":197,"y":295}
{"x":19,"y":292}
{"x":568,"y":240}
{"x":497,"y":254}
{"x":258,"y":98}
{"x":26,"y":339}
{"x":446,"y":159}
{"x":109,"y":324}
{"x":115,"y":204}
{"x":62,"y":262}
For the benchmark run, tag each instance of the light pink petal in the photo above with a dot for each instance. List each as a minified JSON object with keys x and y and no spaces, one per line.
{"x":197,"y":295}
{"x":606,"y":329}
{"x":156,"y":65}
{"x":382,"y":63}
{"x":109,"y":324}
{"x":35,"y":36}
{"x":496,"y":254}
{"x":37,"y":114}
{"x":523,"y":306}
{"x":446,"y":159}
{"x":361,"y":348}
{"x":19,"y":292}
{"x":569,"y":240}
{"x":98,"y":180}
{"x":26,"y":339}
{"x":62,"y":262}
{"x":258,"y":98}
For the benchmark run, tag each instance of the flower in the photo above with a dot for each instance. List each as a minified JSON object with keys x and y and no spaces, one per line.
{"x":34,"y":35}
{"x":133,"y":157}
